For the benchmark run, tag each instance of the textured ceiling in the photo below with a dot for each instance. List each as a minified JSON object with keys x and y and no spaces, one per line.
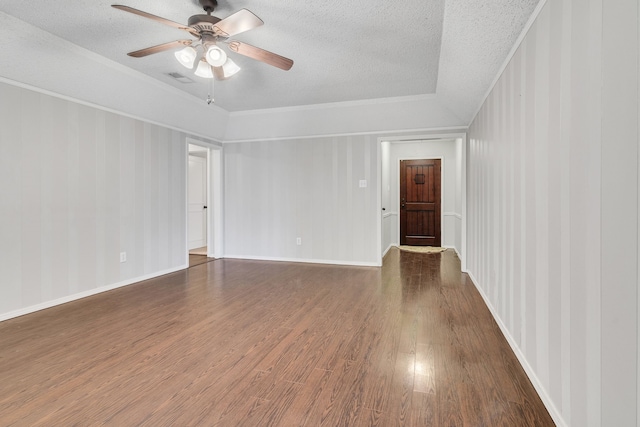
{"x":342,"y":50}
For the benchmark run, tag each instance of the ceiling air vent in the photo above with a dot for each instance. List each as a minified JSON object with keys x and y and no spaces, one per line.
{"x":179,"y":77}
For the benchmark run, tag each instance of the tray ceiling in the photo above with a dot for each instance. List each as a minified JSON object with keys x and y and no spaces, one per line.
{"x":342,"y":50}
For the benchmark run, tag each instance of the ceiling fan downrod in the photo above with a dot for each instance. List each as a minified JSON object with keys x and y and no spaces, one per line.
{"x":208,"y":5}
{"x":205,"y":23}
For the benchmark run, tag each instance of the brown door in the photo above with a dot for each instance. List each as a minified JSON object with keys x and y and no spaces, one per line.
{"x":420,"y":202}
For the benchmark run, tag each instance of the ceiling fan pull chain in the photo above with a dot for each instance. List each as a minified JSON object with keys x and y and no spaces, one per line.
{"x":210,"y":99}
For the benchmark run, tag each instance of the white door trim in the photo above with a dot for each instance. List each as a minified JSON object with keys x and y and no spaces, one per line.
{"x":198,"y":179}
{"x":215,"y":223}
{"x":433,"y":136}
{"x":216,"y":237}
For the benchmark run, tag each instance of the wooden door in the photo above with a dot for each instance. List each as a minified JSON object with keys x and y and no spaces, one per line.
{"x":420,"y":202}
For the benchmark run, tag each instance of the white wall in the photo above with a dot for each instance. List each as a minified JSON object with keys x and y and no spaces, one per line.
{"x":619,"y":139}
{"x":276,"y":191}
{"x":553,"y":208}
{"x":79,"y":185}
{"x":458,"y":196}
{"x":447,"y":150}
{"x":388,"y":214}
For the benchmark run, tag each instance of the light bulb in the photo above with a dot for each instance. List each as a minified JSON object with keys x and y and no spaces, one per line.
{"x":204,"y":70}
{"x":230,"y":68}
{"x":216,"y":56}
{"x":186,"y":56}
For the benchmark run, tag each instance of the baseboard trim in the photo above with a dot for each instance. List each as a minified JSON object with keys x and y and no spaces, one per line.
{"x":84,"y":294}
{"x":306,"y":260}
{"x":388,"y":248}
{"x":455,"y":250}
{"x":542,"y":392}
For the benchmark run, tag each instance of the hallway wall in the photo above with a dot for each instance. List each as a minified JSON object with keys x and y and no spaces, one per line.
{"x":553,"y":208}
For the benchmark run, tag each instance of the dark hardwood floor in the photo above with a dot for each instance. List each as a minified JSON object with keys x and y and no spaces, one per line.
{"x":251,"y":343}
{"x":198,"y":259}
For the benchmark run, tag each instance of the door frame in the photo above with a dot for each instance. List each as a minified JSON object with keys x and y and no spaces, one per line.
{"x":215,"y":237}
{"x":452,"y":133}
{"x":396,"y":203}
{"x":205,"y":159}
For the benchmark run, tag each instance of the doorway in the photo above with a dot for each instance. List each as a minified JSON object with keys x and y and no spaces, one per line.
{"x":197,"y":204}
{"x":451,"y":149}
{"x":197,"y":199}
{"x":204,"y":239}
{"x":420,"y":202}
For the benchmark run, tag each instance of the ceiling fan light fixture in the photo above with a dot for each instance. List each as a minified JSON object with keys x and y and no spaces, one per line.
{"x":204,"y":70}
{"x":186,"y":56}
{"x":215,"y":56}
{"x":230,"y":68}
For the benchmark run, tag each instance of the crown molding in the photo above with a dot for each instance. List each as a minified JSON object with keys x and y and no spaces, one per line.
{"x":355,"y":103}
{"x":448,"y":132}
{"x":107,"y":109}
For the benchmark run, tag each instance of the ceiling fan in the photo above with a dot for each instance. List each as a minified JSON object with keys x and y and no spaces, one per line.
{"x":210,"y":31}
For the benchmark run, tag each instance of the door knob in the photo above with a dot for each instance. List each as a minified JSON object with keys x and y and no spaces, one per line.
{"x":204,"y":207}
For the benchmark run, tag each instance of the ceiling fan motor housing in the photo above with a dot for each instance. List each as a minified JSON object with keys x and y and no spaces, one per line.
{"x":203,"y":22}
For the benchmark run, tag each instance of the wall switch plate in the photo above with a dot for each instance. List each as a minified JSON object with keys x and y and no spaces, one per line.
{"x":363,"y":183}
{"x":298,"y":241}
{"x":123,"y":257}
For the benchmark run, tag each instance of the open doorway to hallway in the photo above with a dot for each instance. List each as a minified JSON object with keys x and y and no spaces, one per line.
{"x":204,"y":233}
{"x":197,"y":204}
{"x":450,"y":221}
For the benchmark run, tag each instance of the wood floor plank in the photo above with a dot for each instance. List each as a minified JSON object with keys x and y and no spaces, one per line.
{"x":307,"y":400}
{"x":399,"y":402}
{"x":424,"y":410}
{"x":336,"y":403}
{"x":250,"y":343}
{"x":425,"y":372}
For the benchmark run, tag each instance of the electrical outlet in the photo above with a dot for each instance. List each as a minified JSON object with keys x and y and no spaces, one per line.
{"x":298,"y":241}
{"x":123,"y":257}
{"x":363,"y":183}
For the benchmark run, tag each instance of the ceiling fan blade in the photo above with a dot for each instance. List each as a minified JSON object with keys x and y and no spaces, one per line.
{"x":156,"y":18}
{"x":237,"y":23}
{"x":261,"y":55}
{"x":159,"y":48}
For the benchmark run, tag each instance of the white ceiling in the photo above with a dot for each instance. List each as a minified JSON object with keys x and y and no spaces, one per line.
{"x":342,"y":50}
